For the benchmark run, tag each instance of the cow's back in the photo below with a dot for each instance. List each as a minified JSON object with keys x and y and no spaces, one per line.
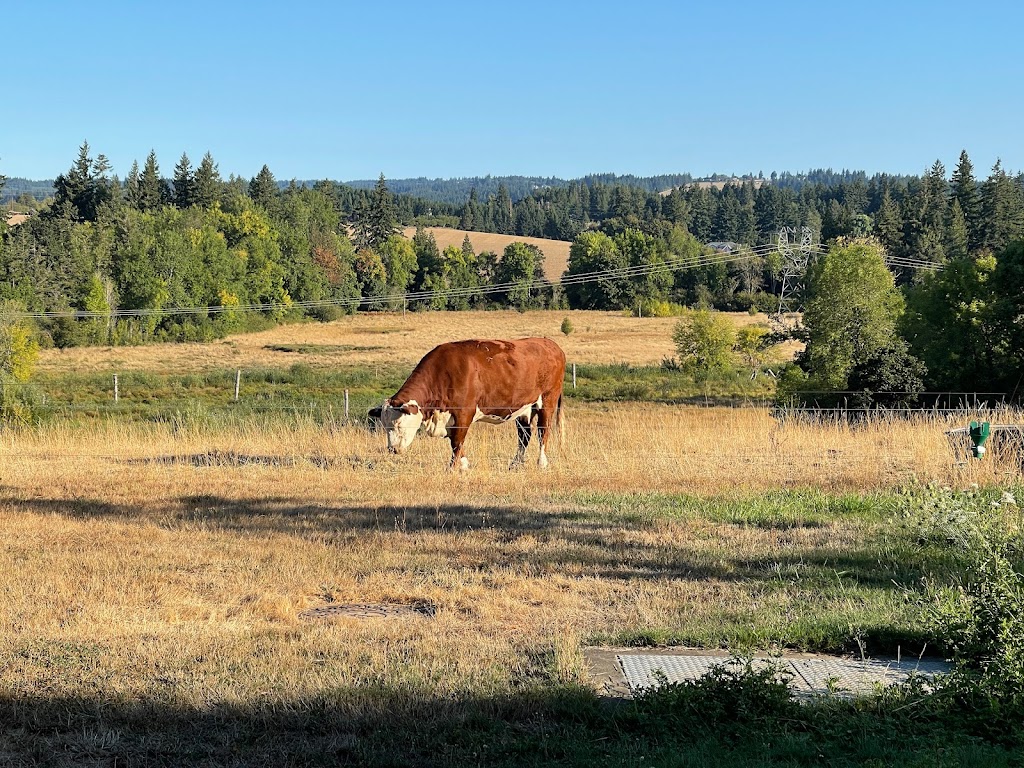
{"x":488,"y":373}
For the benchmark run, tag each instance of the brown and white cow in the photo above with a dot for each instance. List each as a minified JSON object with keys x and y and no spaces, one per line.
{"x":462,"y":382}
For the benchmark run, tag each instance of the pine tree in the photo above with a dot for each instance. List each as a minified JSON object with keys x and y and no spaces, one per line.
{"x":153,"y":191}
{"x":80,"y":193}
{"x":470,"y":212}
{"x":957,"y":238}
{"x":383,"y":217}
{"x":184,"y":183}
{"x":503,"y":211}
{"x":889,"y":225}
{"x":72,"y":189}
{"x":263,"y":189}
{"x":133,"y":187}
{"x":206,"y":182}
{"x":1002,"y":207}
{"x":964,"y":189}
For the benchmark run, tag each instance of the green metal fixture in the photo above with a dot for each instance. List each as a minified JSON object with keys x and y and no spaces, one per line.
{"x":979,"y":435}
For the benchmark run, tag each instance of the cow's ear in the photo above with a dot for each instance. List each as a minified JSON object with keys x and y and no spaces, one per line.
{"x":374,"y":413}
{"x":411,"y":408}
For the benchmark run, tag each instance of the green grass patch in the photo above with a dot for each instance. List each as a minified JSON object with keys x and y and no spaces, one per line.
{"x":623,"y":382}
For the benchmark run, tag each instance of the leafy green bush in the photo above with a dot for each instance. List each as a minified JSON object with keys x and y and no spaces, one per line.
{"x":978,"y":618}
{"x":567,"y":326}
{"x":735,"y":693}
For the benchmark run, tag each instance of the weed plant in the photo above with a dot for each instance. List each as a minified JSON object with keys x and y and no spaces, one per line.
{"x":976,"y":615}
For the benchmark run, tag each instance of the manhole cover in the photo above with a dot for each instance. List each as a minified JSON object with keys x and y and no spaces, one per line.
{"x":367,"y":611}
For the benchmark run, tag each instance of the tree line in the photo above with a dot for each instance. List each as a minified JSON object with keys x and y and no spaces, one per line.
{"x":193,"y":240}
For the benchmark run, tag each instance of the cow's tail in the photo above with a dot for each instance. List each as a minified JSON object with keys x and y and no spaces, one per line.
{"x":560,"y":419}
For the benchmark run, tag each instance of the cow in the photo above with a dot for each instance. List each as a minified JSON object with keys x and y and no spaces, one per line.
{"x":461,"y":382}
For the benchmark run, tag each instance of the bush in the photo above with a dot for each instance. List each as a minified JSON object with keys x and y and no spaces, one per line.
{"x":567,"y":326}
{"x":979,"y":617}
{"x":733,"y":694}
{"x":704,"y":341}
{"x":657,"y":308}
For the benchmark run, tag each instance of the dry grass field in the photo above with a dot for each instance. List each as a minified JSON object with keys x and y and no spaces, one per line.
{"x":152,"y":572}
{"x":393,"y":338}
{"x":556,"y":252}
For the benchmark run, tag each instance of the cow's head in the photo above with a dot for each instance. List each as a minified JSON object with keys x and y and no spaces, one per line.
{"x":400,"y":422}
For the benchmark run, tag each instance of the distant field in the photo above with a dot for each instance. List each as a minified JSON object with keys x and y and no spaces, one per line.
{"x":384,"y":338}
{"x":556,"y":252}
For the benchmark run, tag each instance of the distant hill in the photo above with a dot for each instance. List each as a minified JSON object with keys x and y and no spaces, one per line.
{"x":14,"y":187}
{"x":456,"y":191}
{"x":556,"y":252}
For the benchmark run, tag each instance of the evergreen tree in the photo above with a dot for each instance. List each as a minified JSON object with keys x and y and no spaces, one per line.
{"x":889,"y":225}
{"x":428,"y":257}
{"x":1002,"y":206}
{"x":470,"y":212}
{"x":153,"y":190}
{"x":383,"y":218}
{"x":184,"y":183}
{"x":133,"y":187}
{"x":503,"y":211}
{"x":84,"y":189}
{"x":71,"y":189}
{"x":206,"y":183}
{"x":263,"y":189}
{"x":957,"y":238}
{"x":964,"y":190}
{"x":703,"y":211}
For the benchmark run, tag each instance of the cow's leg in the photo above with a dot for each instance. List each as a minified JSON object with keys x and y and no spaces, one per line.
{"x":544,"y":420}
{"x":457,"y":436}
{"x":524,"y":430}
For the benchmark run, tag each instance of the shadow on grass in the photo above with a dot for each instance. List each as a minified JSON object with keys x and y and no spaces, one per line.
{"x":372,"y":725}
{"x":580,"y":540}
{"x":383,"y":726}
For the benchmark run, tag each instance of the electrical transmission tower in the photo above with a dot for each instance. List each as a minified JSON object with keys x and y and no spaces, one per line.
{"x":795,"y":259}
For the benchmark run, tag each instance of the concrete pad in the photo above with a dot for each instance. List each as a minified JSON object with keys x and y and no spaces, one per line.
{"x":622,"y":673}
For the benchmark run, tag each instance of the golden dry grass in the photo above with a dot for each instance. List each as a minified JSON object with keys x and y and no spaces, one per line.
{"x":556,"y":252}
{"x":393,"y":338}
{"x":162,"y":563}
{"x":158,"y":547}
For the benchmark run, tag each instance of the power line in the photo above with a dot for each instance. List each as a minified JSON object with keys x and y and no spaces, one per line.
{"x":618,"y":273}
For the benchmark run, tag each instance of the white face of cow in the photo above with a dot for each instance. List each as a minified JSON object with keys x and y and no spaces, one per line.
{"x":401,"y":423}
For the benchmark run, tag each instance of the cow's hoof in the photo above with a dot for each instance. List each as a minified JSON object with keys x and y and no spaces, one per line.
{"x":463,"y":464}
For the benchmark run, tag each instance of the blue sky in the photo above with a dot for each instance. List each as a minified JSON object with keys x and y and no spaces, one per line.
{"x":347,"y":91}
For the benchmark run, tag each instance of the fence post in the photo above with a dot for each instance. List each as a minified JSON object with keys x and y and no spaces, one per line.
{"x":238,"y":382}
{"x":574,"y":375}
{"x":116,"y":392}
{"x":346,"y":406}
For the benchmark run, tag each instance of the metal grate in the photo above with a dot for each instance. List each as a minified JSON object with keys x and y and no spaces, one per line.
{"x":806,"y":676}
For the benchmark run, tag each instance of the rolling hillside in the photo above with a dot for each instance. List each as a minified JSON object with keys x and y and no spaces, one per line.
{"x":556,"y":252}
